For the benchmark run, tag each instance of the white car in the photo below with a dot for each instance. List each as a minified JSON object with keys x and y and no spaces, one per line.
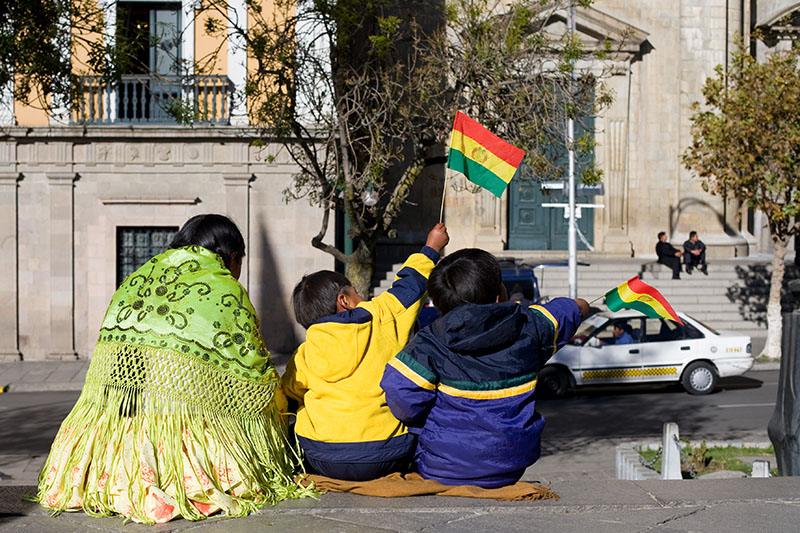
{"x":645,"y":350}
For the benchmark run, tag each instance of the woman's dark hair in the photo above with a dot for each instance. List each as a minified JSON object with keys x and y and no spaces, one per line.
{"x":213,"y":232}
{"x":315,"y":296}
{"x":466,"y":276}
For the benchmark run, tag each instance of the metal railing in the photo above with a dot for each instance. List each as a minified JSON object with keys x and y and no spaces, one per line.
{"x":143,"y":99}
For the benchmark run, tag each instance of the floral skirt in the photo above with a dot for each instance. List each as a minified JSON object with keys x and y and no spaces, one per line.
{"x":129,"y":474}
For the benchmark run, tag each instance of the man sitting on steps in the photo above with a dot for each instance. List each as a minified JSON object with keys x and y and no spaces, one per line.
{"x":668,"y":255}
{"x":694,"y":254}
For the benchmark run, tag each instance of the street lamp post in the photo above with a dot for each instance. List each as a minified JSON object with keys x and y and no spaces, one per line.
{"x":572,"y":247}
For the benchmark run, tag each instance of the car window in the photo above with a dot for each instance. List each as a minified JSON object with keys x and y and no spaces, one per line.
{"x":598,"y":331}
{"x":588,"y":328}
{"x":660,"y":330}
{"x":692,"y":332}
{"x":520,"y":291}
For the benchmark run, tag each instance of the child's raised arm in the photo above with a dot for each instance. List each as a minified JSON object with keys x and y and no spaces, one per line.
{"x":398,"y":307}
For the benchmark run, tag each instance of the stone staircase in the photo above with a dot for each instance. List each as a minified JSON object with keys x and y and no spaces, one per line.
{"x":732,"y":297}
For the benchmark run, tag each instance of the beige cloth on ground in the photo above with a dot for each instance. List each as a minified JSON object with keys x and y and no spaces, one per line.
{"x":399,"y":485}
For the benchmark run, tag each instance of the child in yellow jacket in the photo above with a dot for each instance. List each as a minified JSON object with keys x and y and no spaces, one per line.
{"x":343,"y":424}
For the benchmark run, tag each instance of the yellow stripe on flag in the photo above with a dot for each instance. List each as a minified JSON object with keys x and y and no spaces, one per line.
{"x":627,"y":296}
{"x":476,"y":152}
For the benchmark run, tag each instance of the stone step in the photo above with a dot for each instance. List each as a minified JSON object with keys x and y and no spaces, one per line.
{"x":716,"y":300}
{"x":720,"y":273}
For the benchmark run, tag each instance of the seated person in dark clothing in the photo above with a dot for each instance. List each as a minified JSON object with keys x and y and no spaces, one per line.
{"x":668,"y":255}
{"x":694,"y":254}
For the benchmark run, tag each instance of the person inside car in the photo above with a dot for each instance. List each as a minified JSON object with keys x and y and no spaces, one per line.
{"x":621,"y":334}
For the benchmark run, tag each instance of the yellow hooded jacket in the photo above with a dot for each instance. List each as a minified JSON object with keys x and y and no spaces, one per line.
{"x":335,"y":374}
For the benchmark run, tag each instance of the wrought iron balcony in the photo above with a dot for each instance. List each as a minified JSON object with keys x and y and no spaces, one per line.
{"x":142,"y":99}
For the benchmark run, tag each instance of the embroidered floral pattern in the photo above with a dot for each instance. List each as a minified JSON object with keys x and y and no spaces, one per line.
{"x":155,"y":306}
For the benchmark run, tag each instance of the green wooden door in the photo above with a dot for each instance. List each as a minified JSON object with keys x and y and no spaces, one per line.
{"x":533,"y":227}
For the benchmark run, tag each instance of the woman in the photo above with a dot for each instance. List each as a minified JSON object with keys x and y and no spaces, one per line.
{"x":180,"y":412}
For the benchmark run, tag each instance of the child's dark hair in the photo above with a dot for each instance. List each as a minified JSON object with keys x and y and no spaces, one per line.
{"x":315,"y":296}
{"x":466,"y":276}
{"x":213,"y":232}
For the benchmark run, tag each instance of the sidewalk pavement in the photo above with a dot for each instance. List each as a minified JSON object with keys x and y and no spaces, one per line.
{"x":740,"y":505}
{"x":582,"y":472}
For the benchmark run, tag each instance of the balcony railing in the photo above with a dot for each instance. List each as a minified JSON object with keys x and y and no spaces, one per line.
{"x":142,"y":99}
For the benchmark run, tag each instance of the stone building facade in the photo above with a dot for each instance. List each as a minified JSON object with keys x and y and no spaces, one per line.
{"x":670,"y":48}
{"x":70,"y":190}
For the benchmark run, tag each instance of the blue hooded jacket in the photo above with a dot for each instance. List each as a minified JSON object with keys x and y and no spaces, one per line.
{"x":466,"y":386}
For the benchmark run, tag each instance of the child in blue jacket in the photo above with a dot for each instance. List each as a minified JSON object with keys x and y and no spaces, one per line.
{"x":466,"y":383}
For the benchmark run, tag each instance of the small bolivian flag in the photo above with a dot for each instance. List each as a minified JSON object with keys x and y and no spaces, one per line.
{"x":638,"y":295}
{"x":483,"y":157}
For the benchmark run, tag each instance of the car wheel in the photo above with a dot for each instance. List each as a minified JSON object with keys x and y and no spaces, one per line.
{"x":699,"y":378}
{"x":554,"y":382}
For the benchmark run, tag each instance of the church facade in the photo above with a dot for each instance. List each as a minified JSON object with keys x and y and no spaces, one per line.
{"x":667,"y":51}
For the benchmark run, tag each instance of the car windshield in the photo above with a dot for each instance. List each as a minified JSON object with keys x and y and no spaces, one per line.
{"x":588,"y":327}
{"x":521,"y":291}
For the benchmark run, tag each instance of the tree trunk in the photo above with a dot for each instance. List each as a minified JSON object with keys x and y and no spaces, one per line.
{"x":774,"y":319}
{"x":360,"y":275}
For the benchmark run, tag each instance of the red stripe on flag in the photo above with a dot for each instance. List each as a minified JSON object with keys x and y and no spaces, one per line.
{"x":637,"y":285}
{"x":472,"y":129}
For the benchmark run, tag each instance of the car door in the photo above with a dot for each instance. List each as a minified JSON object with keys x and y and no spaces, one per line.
{"x":602,"y":361}
{"x":667,"y":348}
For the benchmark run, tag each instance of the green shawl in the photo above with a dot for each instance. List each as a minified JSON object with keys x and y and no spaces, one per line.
{"x":180,"y":351}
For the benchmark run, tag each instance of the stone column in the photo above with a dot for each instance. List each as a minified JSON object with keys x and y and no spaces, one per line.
{"x":615,"y":144}
{"x":62,"y":275}
{"x":237,"y":207}
{"x":9,"y":312}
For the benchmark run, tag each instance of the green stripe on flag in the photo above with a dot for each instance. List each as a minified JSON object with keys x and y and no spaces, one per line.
{"x":475,"y":172}
{"x":615,"y":303}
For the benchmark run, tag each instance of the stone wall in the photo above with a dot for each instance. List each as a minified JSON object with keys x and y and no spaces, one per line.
{"x":64,"y":191}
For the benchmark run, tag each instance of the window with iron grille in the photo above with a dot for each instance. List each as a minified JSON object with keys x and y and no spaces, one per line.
{"x":135,"y":245}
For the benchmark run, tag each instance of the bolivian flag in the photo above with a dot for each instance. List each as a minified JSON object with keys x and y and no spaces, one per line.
{"x":636,"y":294}
{"x":483,"y":157}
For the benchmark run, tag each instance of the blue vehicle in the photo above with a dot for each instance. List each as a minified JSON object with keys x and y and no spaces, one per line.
{"x":520,"y":282}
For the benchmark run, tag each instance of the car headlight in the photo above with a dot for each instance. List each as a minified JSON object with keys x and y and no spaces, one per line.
{"x":749,"y":347}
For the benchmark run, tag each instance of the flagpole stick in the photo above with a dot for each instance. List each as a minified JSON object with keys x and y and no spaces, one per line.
{"x":444,"y":190}
{"x":593,"y":301}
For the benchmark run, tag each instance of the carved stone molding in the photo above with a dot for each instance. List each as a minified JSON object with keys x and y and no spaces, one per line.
{"x":149,"y":201}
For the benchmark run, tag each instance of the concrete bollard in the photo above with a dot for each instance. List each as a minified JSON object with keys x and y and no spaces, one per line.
{"x":671,"y":454}
{"x":784,"y":426}
{"x":760,"y":469}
